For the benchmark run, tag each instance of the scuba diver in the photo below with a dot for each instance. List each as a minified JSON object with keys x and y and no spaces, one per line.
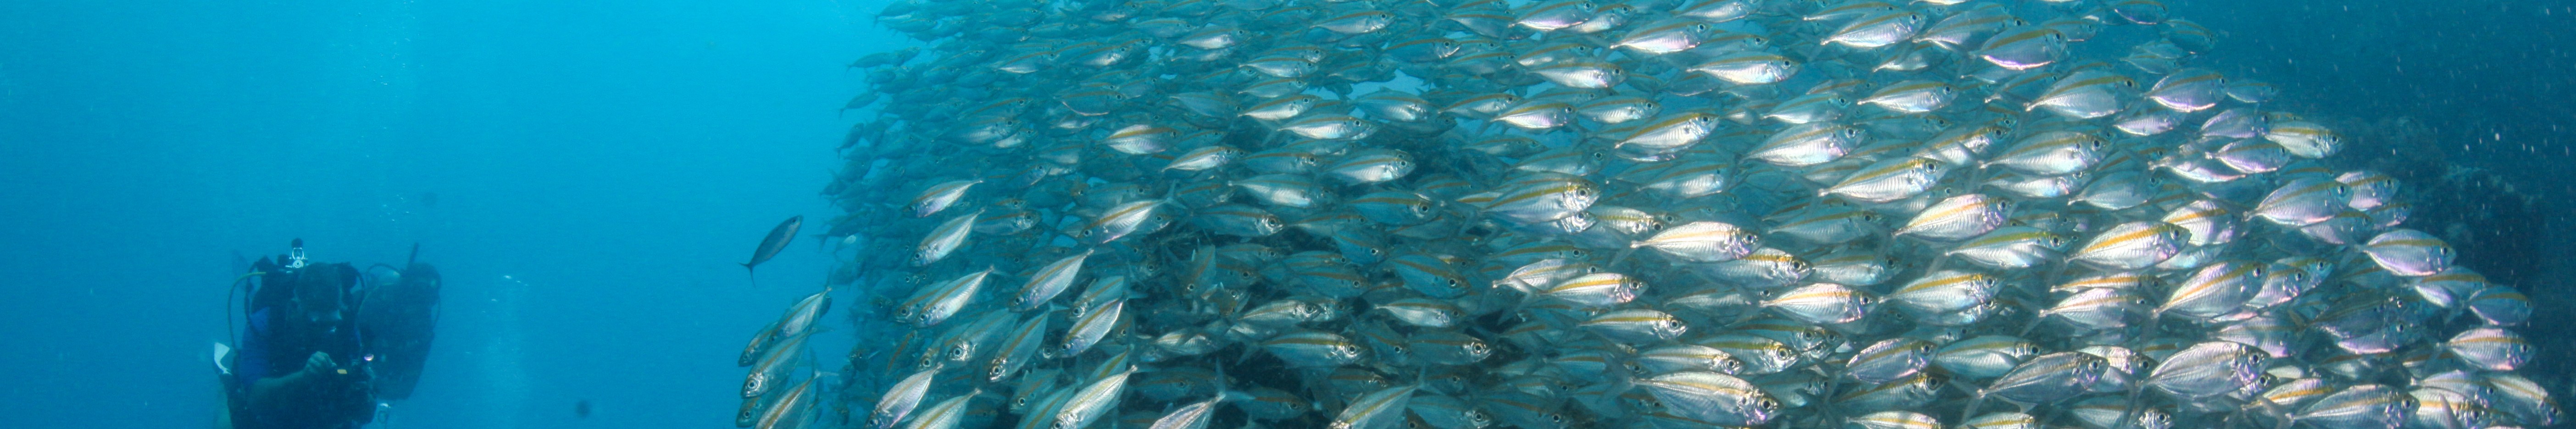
{"x":326,"y":342}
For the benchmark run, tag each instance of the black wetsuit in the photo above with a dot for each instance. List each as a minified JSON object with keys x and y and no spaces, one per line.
{"x":277,"y":343}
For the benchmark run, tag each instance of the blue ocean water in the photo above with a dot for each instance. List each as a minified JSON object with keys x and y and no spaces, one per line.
{"x":597,"y":171}
{"x":588,"y":174}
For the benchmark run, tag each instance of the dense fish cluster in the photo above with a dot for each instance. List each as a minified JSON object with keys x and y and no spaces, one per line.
{"x":1460,"y":214}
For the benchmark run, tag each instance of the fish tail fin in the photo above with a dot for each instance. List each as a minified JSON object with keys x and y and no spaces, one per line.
{"x":1974,"y":401}
{"x":2130,"y":412}
{"x":1937,"y":262}
{"x":2035,"y":321}
{"x":1830,"y":411}
{"x":753,"y":274}
{"x":1622,"y":256}
{"x":2267,"y":408}
{"x":1619,"y":385}
{"x":1748,"y":316}
{"x":1526,"y":299}
{"x":1224,"y":387}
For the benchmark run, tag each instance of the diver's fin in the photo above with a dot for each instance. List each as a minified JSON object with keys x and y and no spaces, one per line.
{"x":223,"y":358}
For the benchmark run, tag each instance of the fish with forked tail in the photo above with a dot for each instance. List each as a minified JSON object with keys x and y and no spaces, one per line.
{"x":776,"y":241}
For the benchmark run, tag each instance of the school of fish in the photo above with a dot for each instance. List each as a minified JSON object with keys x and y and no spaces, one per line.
{"x":1465,"y":214}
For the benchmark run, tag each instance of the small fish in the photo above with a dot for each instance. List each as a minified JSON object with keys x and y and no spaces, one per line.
{"x":2408,"y":252}
{"x":1448,"y":348}
{"x":1381,"y":409}
{"x":1092,"y":401}
{"x":1749,"y":68}
{"x":1204,"y":158}
{"x":945,"y":239}
{"x":1373,"y":166}
{"x":1958,"y":29}
{"x":2131,"y":246}
{"x":1957,"y":218}
{"x":1282,"y":108}
{"x":2492,"y":349}
{"x":770,"y":245}
{"x":2215,"y":290}
{"x":1090,"y":326}
{"x":759,"y":343}
{"x":2053,"y":153}
{"x":2010,"y":248}
{"x":1017,"y":349}
{"x":1712,"y":397}
{"x":1814,"y":106}
{"x":1895,"y":420}
{"x":1984,"y":356}
{"x":2043,"y":379}
{"x":2085,"y":94}
{"x":1582,"y":74}
{"x":1848,"y":10}
{"x":1821,"y":303}
{"x":946,"y":414}
{"x":1636,"y":326}
{"x":1667,"y":36}
{"x":1423,"y":312}
{"x":1538,"y":114}
{"x":1048,"y":282}
{"x":1330,"y":127}
{"x":1140,"y":139}
{"x":2207,"y":368}
{"x":2188,"y":90}
{"x":939,"y":302}
{"x":939,"y":197}
{"x":1238,"y":220}
{"x":1874,"y":31}
{"x":899,"y":401}
{"x":1912,"y":96}
{"x":1125,"y":220}
{"x":2023,"y":48}
{"x":1719,"y":11}
{"x":1701,"y":242}
{"x":1542,"y":197}
{"x":774,"y":368}
{"x":1596,"y":290}
{"x":1808,"y":144}
{"x":792,"y":409}
{"x":1890,"y":180}
{"x":1620,"y":109}
{"x":2366,"y":405}
{"x":1312,"y":349}
{"x":1889,"y":360}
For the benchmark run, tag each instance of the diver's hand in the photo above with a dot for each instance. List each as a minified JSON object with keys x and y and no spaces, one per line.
{"x":319,"y":363}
